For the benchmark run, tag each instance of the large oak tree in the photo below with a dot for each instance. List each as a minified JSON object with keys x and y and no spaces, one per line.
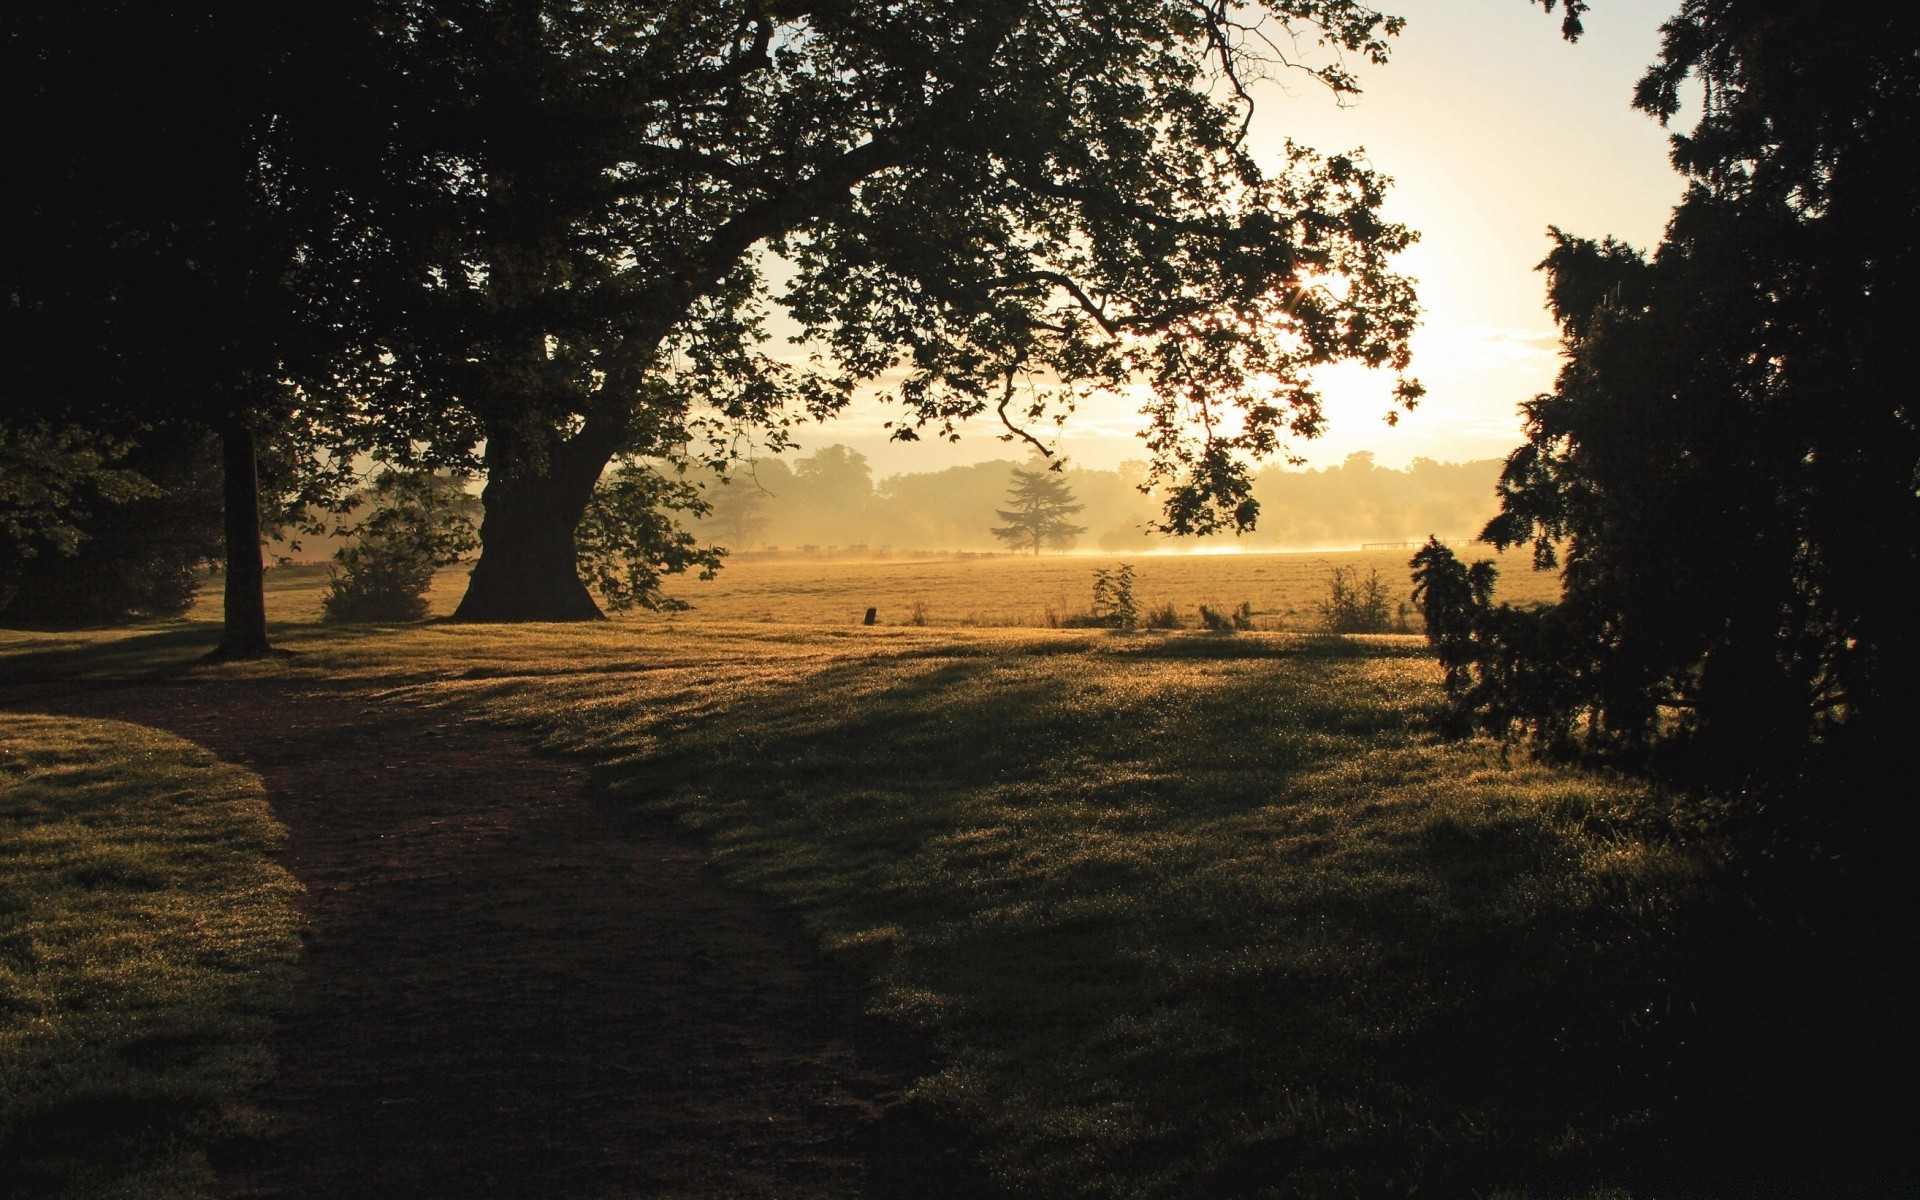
{"x":989,"y":206}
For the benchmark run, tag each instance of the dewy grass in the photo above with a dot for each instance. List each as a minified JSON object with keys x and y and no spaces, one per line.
{"x":1184,"y":915}
{"x":145,"y":940}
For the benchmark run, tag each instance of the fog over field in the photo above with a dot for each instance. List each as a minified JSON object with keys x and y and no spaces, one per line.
{"x":831,"y":499}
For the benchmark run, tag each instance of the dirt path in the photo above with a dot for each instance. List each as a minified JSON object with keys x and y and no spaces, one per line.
{"x":517,"y":989}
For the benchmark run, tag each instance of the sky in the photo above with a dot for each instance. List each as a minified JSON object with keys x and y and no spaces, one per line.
{"x":1493,"y":128}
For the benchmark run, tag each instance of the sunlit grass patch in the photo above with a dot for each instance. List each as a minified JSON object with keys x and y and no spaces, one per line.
{"x":1184,"y":914}
{"x":145,"y":940}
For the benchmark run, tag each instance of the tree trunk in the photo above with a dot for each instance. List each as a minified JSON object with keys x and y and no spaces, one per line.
{"x":244,"y":634}
{"x":527,"y":569}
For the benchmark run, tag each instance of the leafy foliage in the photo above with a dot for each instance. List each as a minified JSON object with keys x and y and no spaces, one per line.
{"x":1509,"y":670}
{"x":101,"y":530}
{"x":421,"y":521}
{"x":1040,"y":504}
{"x":1113,"y":600}
{"x":49,"y":479}
{"x":628,"y":542}
{"x":1727,"y":466}
{"x":1354,"y":604}
{"x":980,"y":210}
{"x":47,"y":475}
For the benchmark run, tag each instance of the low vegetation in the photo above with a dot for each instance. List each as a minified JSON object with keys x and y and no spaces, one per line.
{"x":145,"y":940}
{"x":1184,"y":916}
{"x":1190,"y":915}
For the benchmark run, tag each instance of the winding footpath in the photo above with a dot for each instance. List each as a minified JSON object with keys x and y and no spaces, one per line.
{"x":518,"y":988}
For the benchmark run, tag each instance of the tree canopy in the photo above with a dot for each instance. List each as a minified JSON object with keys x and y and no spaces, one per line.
{"x":1729,"y":465}
{"x":976,"y":208}
{"x":180,"y":172}
{"x":538,"y":238}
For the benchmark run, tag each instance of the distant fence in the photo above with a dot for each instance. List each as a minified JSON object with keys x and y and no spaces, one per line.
{"x":1407,"y":545}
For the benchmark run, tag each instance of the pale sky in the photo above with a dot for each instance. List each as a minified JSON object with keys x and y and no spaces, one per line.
{"x":1493,"y":128}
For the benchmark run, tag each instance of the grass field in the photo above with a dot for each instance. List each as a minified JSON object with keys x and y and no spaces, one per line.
{"x":145,"y":939}
{"x":1285,"y":591}
{"x":1184,"y":914}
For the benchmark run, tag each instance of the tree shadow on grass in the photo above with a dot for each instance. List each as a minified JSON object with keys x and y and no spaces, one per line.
{"x":1252,"y":931}
{"x":101,"y":656}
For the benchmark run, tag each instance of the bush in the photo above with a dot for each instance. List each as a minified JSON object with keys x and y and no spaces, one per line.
{"x":1233,"y":622}
{"x":1113,"y":603}
{"x":98,"y":532}
{"x":421,"y":522}
{"x":380,"y":580}
{"x":1356,"y":605}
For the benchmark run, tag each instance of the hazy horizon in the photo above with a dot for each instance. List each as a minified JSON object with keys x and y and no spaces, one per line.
{"x":1493,"y":128}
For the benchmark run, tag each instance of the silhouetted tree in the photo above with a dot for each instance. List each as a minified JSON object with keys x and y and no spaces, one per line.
{"x":178,"y":173}
{"x":96,"y":532}
{"x":1041,"y":503}
{"x":739,"y":513}
{"x":1727,"y":464}
{"x":972,"y":198}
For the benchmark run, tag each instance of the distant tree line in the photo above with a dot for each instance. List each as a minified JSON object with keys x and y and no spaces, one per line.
{"x":830,"y":498}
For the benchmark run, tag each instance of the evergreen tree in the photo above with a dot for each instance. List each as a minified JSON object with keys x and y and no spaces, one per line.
{"x":1727,"y":464}
{"x":1041,"y":502}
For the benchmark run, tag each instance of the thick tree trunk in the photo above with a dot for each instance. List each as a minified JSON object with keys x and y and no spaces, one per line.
{"x":244,"y":634}
{"x":527,"y":570}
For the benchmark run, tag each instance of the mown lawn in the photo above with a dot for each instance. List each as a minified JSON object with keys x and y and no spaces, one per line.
{"x":145,"y":941}
{"x":1186,"y":916}
{"x":1194,"y":915}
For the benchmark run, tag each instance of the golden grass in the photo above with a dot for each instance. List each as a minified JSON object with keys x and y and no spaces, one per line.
{"x":1184,"y":914}
{"x":145,"y":938}
{"x":1285,"y":590}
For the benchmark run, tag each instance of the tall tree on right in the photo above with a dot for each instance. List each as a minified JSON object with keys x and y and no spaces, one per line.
{"x":1729,"y":465}
{"x":1041,"y":503}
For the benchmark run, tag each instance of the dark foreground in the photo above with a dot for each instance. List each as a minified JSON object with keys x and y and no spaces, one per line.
{"x":517,"y":989}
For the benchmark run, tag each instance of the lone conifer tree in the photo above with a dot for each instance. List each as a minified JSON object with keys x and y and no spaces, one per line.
{"x":1041,"y":502}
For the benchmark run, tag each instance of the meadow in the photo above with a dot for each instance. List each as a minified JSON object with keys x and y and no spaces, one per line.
{"x":1179,"y":913}
{"x":1283,"y":590}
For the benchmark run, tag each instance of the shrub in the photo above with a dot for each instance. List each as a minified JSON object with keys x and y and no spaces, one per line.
{"x":420,"y":522}
{"x":1356,"y":605}
{"x":1164,"y":617}
{"x":378,"y":580}
{"x":1230,"y":622}
{"x":1113,"y":602}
